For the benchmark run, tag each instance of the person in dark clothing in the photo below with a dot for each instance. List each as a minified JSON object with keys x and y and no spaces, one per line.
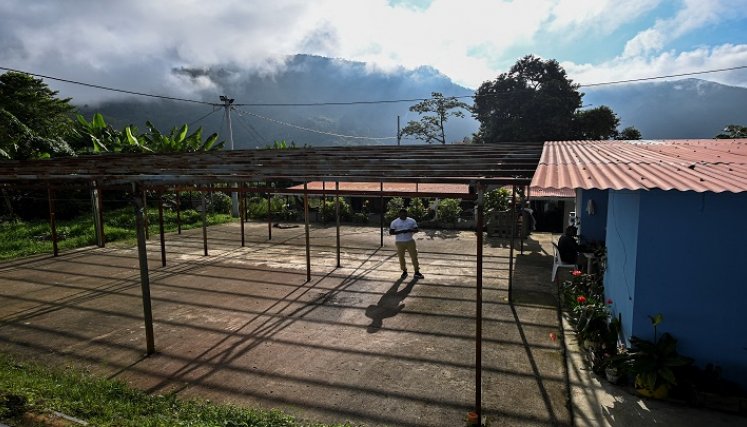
{"x":568,"y":248}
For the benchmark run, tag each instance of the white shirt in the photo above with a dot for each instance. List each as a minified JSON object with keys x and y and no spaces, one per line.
{"x":403,"y":224}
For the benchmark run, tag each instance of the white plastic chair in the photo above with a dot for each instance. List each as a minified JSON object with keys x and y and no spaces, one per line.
{"x":558,"y":263}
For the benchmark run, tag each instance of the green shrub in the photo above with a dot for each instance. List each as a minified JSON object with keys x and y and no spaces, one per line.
{"x":257,"y":208}
{"x":449,"y":210}
{"x":392,"y":208}
{"x":329,"y":211}
{"x":417,"y":209}
{"x":498,"y":199}
{"x":220,"y":203}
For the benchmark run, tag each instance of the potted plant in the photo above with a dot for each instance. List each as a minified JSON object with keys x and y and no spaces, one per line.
{"x":652,"y":362}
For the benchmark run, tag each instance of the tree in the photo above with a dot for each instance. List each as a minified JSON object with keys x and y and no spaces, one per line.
{"x":628,"y":134}
{"x":733,"y":131}
{"x":596,"y":123}
{"x":430,"y":128}
{"x":534,"y":101}
{"x":33,"y":121}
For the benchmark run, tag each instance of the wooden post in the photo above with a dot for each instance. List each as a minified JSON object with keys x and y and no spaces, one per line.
{"x":52,"y":221}
{"x":144,"y":279}
{"x":160,"y":228}
{"x":308,"y":243}
{"x":337,"y":217}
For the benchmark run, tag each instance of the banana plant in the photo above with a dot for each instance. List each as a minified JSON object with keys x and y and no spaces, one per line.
{"x":178,"y":140}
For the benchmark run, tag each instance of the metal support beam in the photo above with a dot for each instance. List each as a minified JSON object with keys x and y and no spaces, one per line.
{"x":144,"y":279}
{"x":145,"y":217}
{"x":52,"y":221}
{"x":511,"y":250}
{"x":478,"y":307}
{"x":178,"y":214}
{"x":204,"y":223}
{"x":242,"y":214}
{"x":337,"y":218}
{"x":308,"y":243}
{"x":269,"y":216}
{"x":98,"y":214}
{"x":160,"y":229}
{"x":381,"y":205}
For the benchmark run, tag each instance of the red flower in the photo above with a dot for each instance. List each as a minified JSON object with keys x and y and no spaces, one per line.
{"x":609,"y":302}
{"x":581,"y":299}
{"x":576,"y":273}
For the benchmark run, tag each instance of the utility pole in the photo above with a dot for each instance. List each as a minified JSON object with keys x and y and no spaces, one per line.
{"x":234,"y":195}
{"x":399,"y":134}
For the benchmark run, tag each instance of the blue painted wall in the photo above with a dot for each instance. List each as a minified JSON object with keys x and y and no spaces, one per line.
{"x":622,"y":249}
{"x":593,"y":227}
{"x":690,"y":264}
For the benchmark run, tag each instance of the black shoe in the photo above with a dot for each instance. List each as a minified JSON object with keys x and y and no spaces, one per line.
{"x":404,"y":274}
{"x":419,"y":275}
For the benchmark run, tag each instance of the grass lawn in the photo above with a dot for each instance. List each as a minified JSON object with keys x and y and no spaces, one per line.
{"x":30,"y":395}
{"x":24,"y":238}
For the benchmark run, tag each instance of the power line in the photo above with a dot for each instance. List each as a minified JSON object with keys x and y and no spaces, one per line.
{"x":245,"y":122}
{"x":111,"y":89}
{"x":719,"y":70}
{"x":344,"y":103}
{"x":317,"y":131}
{"x":215,"y":109}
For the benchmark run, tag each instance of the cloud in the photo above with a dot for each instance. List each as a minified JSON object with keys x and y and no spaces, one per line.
{"x":667,"y":64}
{"x":603,"y":16}
{"x":138,"y":44}
{"x":695,"y":15}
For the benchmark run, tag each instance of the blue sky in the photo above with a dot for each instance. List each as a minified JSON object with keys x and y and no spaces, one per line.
{"x":137,"y":44}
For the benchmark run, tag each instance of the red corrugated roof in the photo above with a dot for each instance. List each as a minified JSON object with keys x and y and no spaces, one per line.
{"x":536,"y":193}
{"x":718,"y":165}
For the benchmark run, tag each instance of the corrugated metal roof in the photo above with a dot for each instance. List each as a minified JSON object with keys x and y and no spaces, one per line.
{"x":718,"y":165}
{"x":537,"y":193}
{"x":453,"y":163}
{"x":389,"y":187}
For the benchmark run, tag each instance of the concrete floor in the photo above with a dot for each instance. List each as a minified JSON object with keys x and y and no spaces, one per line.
{"x":355,"y":343}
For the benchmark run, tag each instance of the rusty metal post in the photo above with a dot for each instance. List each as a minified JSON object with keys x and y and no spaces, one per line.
{"x":204,"y":222}
{"x":478,"y":308}
{"x":144,"y":279}
{"x":337,"y":217}
{"x":511,"y":250}
{"x":160,"y":228}
{"x":101,"y":216}
{"x":98,"y":215}
{"x":269,"y":216}
{"x":145,"y":218}
{"x":242,"y":212}
{"x":52,"y":221}
{"x":381,"y":204}
{"x":306,"y":217}
{"x":323,"y":207}
{"x":178,"y":214}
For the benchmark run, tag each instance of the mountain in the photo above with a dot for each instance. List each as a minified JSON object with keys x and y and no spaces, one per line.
{"x":682,"y":109}
{"x":689,"y":108}
{"x":304,"y":79}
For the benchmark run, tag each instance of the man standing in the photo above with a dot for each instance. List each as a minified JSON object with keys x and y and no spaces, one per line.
{"x":403,"y":228}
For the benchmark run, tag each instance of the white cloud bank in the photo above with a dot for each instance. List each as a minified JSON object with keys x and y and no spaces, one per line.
{"x":136,"y":44}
